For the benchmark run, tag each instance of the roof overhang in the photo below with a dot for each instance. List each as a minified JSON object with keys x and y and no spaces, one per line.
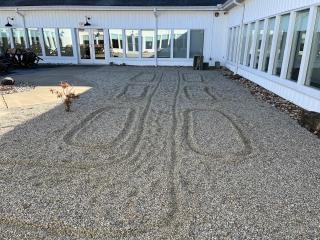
{"x":231,"y":4}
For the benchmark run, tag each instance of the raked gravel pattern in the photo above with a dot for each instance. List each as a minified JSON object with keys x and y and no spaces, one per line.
{"x":157,"y":153}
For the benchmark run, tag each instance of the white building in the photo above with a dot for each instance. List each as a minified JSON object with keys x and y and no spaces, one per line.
{"x":273,"y":43}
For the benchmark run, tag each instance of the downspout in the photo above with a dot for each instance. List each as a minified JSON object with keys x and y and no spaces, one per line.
{"x":240,"y":34}
{"x":155,"y":36}
{"x":24,"y":26}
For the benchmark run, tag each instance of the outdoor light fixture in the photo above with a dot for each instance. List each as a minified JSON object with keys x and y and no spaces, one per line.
{"x":8,"y":23}
{"x":87,"y":23}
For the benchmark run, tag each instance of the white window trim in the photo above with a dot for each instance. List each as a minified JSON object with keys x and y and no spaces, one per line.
{"x":274,"y":45}
{"x":254,"y":43}
{"x":287,"y":51}
{"x":308,"y":45}
{"x":246,"y":50}
{"x":263,"y":43}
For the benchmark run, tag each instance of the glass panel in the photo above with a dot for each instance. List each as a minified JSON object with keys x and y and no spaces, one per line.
{"x":250,"y":45}
{"x":313,"y":77}
{"x":18,"y":37}
{"x":267,"y":50}
{"x":232,"y":43}
{"x":235,"y":44}
{"x":98,"y":41}
{"x":50,"y":42}
{"x":299,"y":37}
{"x":116,"y":46}
{"x":164,"y":43}
{"x":196,"y":43}
{"x":65,"y":39}
{"x":84,"y":41}
{"x":258,"y":44}
{"x":34,"y":40}
{"x":132,"y":49}
{"x":229,"y":43}
{"x":148,"y":44}
{"x":243,"y":44}
{"x":281,"y":43}
{"x":180,"y":43}
{"x":4,"y":41}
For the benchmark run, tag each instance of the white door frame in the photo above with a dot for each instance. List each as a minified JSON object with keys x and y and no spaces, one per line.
{"x":92,"y":59}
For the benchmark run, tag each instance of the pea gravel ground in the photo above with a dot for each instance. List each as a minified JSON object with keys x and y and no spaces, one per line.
{"x":156,"y":153}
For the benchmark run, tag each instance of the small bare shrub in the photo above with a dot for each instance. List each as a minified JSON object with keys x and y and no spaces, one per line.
{"x":67,"y":94}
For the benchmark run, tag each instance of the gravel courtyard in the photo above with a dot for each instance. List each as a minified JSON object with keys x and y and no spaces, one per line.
{"x":155,"y":153}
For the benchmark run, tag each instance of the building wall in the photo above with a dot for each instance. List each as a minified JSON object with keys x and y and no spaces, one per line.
{"x":255,"y":10}
{"x":129,"y":20}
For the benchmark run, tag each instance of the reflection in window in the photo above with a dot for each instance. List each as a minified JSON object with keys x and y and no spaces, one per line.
{"x":313,"y":77}
{"x":196,"y":43}
{"x":98,"y":41}
{"x":132,"y":49}
{"x":147,"y":43}
{"x":65,"y":39}
{"x":164,"y":43}
{"x":116,"y":47}
{"x":180,"y":43}
{"x":4,"y":41}
{"x":18,"y":38}
{"x":299,"y":37}
{"x":243,"y":44}
{"x":258,"y":44}
{"x":84,"y":42}
{"x":34,"y":40}
{"x":235,"y":44}
{"x":281,"y":43}
{"x":267,"y":51}
{"x":250,"y":52}
{"x":50,"y":42}
{"x":229,"y":43}
{"x":232,"y":43}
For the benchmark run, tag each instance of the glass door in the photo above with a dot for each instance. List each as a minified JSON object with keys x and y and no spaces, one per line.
{"x":98,"y":45}
{"x":91,"y":45}
{"x":85,"y":46}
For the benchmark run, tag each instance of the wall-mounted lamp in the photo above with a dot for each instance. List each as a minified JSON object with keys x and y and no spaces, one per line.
{"x":87,"y":22}
{"x":216,"y":14}
{"x":8,"y":23}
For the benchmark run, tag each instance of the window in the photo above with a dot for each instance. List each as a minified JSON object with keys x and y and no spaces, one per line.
{"x":258,"y":44}
{"x":98,"y":43}
{"x":164,"y":43}
{"x":313,"y":77}
{"x":196,"y":43}
{"x":148,"y":44}
{"x":65,"y":40}
{"x":250,"y":52}
{"x":116,"y":48}
{"x":299,"y":37}
{"x":132,"y":49}
{"x":34,"y":40}
{"x":267,"y":51}
{"x":180,"y":42}
{"x":229,"y":43}
{"x":18,"y":37}
{"x":231,"y":48}
{"x":4,"y":41}
{"x":235,"y":44}
{"x":243,"y":44}
{"x":281,"y":43}
{"x":50,"y":42}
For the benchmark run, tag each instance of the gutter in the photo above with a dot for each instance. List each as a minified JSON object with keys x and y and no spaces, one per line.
{"x":111,"y":8}
{"x":241,"y":33}
{"x":24,"y":25}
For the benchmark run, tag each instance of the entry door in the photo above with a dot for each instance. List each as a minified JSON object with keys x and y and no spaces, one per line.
{"x":91,"y":46}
